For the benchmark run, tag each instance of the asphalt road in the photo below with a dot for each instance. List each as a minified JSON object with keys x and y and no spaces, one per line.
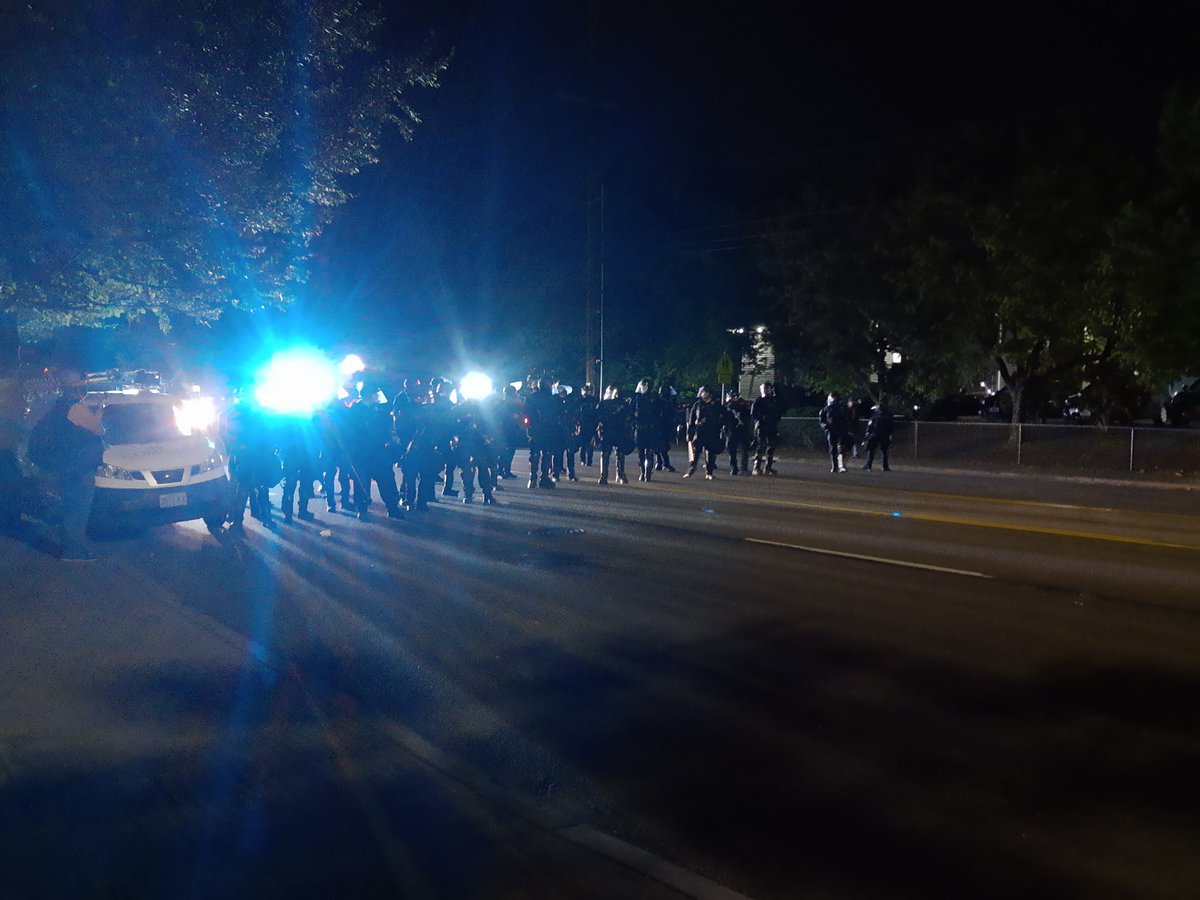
{"x":904,"y":684}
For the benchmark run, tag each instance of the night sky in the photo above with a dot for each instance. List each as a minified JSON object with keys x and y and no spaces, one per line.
{"x":700,"y":121}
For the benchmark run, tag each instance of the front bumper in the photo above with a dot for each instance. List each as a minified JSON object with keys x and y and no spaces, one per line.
{"x":144,"y":507}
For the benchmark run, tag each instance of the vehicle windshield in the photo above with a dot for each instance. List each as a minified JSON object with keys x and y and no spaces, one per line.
{"x":139,"y":423}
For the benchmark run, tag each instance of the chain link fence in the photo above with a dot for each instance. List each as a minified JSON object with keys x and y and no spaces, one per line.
{"x":1000,"y":445}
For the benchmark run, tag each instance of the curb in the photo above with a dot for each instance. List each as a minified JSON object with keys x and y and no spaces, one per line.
{"x":1153,"y":482}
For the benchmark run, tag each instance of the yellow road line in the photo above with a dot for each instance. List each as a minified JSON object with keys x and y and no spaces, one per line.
{"x":875,"y":559}
{"x":975,"y":523}
{"x":1058,"y":532}
{"x":1004,"y":501}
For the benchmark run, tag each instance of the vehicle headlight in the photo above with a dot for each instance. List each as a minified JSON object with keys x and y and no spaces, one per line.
{"x":107,"y":471}
{"x":213,"y":462}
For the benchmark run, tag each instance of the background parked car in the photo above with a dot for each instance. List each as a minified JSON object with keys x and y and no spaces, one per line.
{"x":1183,"y":408}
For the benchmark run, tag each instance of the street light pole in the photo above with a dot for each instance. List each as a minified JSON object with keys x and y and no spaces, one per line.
{"x":589,"y":285}
{"x":601,"y":385}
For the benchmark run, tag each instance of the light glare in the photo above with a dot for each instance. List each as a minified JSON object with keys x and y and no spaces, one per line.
{"x":351,"y":364}
{"x":297,"y":382}
{"x":475,"y":386}
{"x":195,"y":414}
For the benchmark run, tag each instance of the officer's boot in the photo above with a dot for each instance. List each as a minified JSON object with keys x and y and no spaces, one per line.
{"x":264,"y":509}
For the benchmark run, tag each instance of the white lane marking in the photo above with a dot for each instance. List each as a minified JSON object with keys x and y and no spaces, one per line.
{"x":686,"y":882}
{"x":874,"y":559}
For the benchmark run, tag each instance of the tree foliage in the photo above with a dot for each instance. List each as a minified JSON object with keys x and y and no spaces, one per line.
{"x":1059,"y":263}
{"x":172,"y":158}
{"x":841,"y":320}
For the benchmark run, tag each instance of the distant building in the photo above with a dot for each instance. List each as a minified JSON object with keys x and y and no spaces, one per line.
{"x":758,"y":364}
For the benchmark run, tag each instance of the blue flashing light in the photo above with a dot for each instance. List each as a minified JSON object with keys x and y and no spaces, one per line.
{"x":297,"y":382}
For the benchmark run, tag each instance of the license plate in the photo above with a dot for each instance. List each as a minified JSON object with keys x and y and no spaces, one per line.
{"x":169,"y":501}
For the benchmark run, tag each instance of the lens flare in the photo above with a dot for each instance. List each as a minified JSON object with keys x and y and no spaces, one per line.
{"x":351,"y":364}
{"x":195,"y":414}
{"x":475,"y":386}
{"x":297,"y":382}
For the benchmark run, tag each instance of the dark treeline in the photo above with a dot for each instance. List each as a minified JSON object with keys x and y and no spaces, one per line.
{"x":1063,"y":259}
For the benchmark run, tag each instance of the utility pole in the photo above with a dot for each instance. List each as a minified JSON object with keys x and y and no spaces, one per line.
{"x":594,"y":286}
{"x":598,"y":114}
{"x":591,"y":291}
{"x":601,"y":284}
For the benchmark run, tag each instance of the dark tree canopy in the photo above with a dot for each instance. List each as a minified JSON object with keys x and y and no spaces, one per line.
{"x":1061,"y":262}
{"x":171,"y":158}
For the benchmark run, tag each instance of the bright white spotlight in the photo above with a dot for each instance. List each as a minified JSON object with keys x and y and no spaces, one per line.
{"x":475,"y":386}
{"x":297,"y":382}
{"x":195,"y":414}
{"x":351,"y":364}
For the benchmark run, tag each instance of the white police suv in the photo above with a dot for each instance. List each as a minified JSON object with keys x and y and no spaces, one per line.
{"x":162,"y":463}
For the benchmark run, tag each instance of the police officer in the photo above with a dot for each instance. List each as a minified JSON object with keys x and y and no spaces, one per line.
{"x":477,"y":455}
{"x":738,"y":431}
{"x":614,"y":431}
{"x":647,"y":427}
{"x":542,"y":424}
{"x":668,"y":428}
{"x":879,"y":434}
{"x":765,"y":413}
{"x":371,"y":449}
{"x":588,"y":419}
{"x":568,"y":432}
{"x":254,"y":464}
{"x":441,"y":424}
{"x":421,"y":463}
{"x":67,"y":444}
{"x":333,"y":464}
{"x":510,"y":431}
{"x":407,"y":407}
{"x":298,"y":452}
{"x":835,"y":422}
{"x":705,"y":422}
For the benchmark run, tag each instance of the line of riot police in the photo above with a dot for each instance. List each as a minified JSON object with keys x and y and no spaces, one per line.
{"x":432,"y":439}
